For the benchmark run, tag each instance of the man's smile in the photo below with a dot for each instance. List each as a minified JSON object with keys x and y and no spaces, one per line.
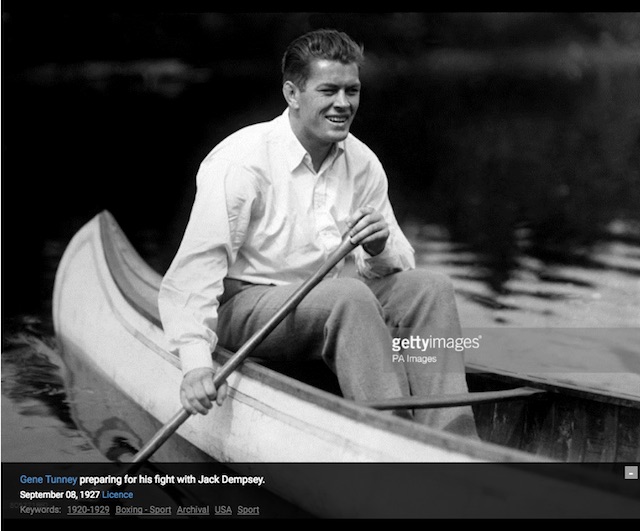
{"x":338,"y":119}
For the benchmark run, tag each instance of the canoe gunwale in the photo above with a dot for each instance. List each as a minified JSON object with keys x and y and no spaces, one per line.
{"x":567,"y":389}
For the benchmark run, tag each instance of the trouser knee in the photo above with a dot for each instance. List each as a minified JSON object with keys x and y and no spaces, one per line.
{"x":417,"y":298}
{"x":420,"y":282}
{"x":356,"y":322}
{"x":353,"y":295}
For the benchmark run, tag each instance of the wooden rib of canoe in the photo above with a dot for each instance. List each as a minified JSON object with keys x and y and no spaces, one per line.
{"x":105,"y":312}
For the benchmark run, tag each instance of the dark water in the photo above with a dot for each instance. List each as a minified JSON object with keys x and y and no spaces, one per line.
{"x":522,"y":185}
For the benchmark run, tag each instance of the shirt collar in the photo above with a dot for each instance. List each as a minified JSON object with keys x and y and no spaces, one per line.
{"x":294,"y":150}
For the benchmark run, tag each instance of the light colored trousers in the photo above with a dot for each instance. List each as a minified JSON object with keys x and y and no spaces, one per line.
{"x":355,"y":325}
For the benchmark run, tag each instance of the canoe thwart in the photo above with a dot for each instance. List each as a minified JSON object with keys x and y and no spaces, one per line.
{"x":463,"y":399}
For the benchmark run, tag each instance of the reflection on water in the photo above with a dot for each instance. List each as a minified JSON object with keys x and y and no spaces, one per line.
{"x":58,"y":408}
{"x":589,"y":305}
{"x":595,"y":288}
{"x":37,"y":420}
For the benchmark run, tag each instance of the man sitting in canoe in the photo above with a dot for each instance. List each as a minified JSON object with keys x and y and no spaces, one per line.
{"x":272,"y":202}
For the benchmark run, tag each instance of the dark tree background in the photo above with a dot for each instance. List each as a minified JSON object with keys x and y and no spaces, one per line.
{"x":517,"y":132}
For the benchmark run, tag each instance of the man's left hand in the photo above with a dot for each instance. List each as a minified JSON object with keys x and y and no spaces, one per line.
{"x":369,"y":229}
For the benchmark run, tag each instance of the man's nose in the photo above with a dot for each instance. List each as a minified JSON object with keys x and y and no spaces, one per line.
{"x":341,"y":99}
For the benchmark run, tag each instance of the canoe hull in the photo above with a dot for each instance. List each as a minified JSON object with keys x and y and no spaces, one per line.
{"x":268,"y":417}
{"x":91,"y":315}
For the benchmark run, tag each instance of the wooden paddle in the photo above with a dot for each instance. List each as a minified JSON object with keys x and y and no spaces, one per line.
{"x":462,"y":399}
{"x":223,"y":373}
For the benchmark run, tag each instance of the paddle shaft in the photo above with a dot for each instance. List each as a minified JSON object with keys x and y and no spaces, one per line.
{"x":223,"y":373}
{"x":463,"y":399}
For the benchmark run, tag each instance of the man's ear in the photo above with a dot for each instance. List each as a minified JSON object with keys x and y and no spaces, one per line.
{"x":291,"y":94}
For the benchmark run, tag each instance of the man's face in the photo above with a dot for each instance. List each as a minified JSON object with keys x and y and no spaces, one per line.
{"x":328,"y":103}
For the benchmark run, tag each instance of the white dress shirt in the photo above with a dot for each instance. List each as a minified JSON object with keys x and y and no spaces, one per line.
{"x":263,"y":215}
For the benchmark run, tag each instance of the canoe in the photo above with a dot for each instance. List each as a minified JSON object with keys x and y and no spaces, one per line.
{"x":105,"y":313}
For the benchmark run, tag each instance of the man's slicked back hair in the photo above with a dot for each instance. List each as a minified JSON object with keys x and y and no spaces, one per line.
{"x":328,"y":44}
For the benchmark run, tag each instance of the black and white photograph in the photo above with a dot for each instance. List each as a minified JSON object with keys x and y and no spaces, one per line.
{"x":301,"y":265}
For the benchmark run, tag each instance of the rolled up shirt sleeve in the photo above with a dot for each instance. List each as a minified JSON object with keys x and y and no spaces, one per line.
{"x":398,"y":254}
{"x":190,"y":290}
